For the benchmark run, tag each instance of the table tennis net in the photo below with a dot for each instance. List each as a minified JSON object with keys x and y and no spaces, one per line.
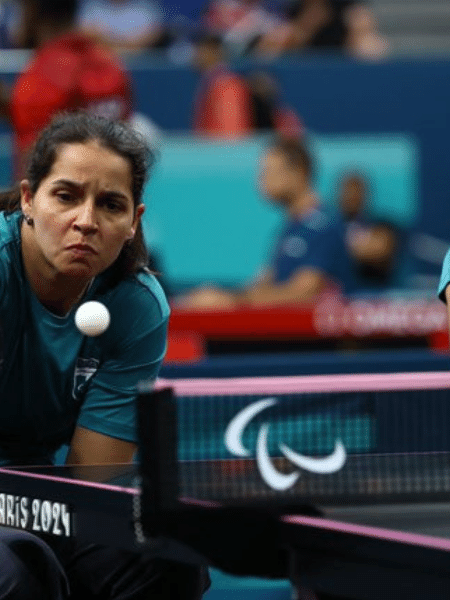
{"x":317,"y":439}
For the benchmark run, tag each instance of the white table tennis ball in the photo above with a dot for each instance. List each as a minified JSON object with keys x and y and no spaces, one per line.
{"x":92,"y":318}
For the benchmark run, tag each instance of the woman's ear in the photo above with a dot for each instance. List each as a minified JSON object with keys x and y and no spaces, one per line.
{"x":26,"y":198}
{"x":137,"y":217}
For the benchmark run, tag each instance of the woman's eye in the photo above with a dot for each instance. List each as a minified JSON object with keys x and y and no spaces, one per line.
{"x":112,"y":205}
{"x":64,"y":196}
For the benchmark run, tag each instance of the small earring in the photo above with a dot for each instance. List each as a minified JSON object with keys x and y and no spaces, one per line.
{"x":28,"y":220}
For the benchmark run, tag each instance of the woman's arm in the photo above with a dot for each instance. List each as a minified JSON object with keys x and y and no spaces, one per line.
{"x":89,"y":447}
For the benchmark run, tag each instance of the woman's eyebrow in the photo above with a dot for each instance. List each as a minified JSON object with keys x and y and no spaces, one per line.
{"x":80,"y":186}
{"x":68,"y":183}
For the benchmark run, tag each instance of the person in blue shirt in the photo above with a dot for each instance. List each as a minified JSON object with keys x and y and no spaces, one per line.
{"x":309,"y":257}
{"x":375,"y":245}
{"x":72,"y":233}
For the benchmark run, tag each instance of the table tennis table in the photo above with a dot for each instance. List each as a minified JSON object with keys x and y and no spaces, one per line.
{"x":387,"y":537}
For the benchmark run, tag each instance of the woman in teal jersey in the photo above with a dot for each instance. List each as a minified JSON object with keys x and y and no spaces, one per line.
{"x":70,"y":234}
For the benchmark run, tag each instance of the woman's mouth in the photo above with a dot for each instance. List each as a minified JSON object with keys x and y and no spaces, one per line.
{"x":81,"y":249}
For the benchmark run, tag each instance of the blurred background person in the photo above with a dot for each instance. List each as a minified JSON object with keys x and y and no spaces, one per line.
{"x":374,"y":244}
{"x":68,"y":71}
{"x":10,"y":19}
{"x":363,"y":39}
{"x":239,"y":23}
{"x":309,"y":257}
{"x":223,"y":102}
{"x":270,"y":113}
{"x":123,"y":25}
{"x":230,"y":105}
{"x":336,"y":25}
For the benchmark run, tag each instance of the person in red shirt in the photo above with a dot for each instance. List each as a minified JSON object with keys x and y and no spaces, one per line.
{"x":229,"y":105}
{"x":69,"y":71}
{"x":223,"y":102}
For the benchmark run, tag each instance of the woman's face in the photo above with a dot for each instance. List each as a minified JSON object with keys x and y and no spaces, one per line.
{"x":83,"y":211}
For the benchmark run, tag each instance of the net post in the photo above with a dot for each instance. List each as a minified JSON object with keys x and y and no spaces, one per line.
{"x":158,"y":460}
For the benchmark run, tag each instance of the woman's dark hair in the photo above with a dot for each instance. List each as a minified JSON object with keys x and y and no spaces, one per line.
{"x":81,"y":127}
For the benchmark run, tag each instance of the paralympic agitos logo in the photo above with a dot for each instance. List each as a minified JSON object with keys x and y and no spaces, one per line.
{"x":271,"y":475}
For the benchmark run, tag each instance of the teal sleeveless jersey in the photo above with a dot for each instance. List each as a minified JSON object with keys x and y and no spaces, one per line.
{"x":53,"y":378}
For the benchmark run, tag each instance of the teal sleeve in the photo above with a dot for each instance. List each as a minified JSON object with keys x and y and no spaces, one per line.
{"x":445,"y":277}
{"x":109,"y":405}
{"x":136,"y":342}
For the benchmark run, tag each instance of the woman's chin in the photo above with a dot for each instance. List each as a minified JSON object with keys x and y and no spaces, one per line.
{"x":79,"y":271}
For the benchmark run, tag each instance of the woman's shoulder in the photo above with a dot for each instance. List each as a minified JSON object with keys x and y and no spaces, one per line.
{"x":150,"y":288}
{"x":9,"y":227}
{"x":139,"y":293}
{"x":10,"y":253}
{"x":10,"y":238}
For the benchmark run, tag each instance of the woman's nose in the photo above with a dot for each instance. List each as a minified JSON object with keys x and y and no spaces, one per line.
{"x":86,"y":218}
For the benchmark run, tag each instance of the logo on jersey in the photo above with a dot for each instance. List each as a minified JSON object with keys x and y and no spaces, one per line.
{"x":273,"y":477}
{"x":85,"y":368}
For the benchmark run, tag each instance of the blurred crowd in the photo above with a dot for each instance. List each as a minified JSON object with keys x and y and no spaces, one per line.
{"x":76,"y":64}
{"x":262,"y":28}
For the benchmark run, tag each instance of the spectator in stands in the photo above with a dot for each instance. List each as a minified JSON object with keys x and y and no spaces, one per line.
{"x":362,"y":39}
{"x":338,"y":25}
{"x":223,"y":104}
{"x":310,"y":255}
{"x":123,"y":25}
{"x":9,"y":25}
{"x":239,"y":23}
{"x":229,"y":105}
{"x":68,"y":71}
{"x":270,"y":113}
{"x":22,"y":24}
{"x":372,"y":243}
